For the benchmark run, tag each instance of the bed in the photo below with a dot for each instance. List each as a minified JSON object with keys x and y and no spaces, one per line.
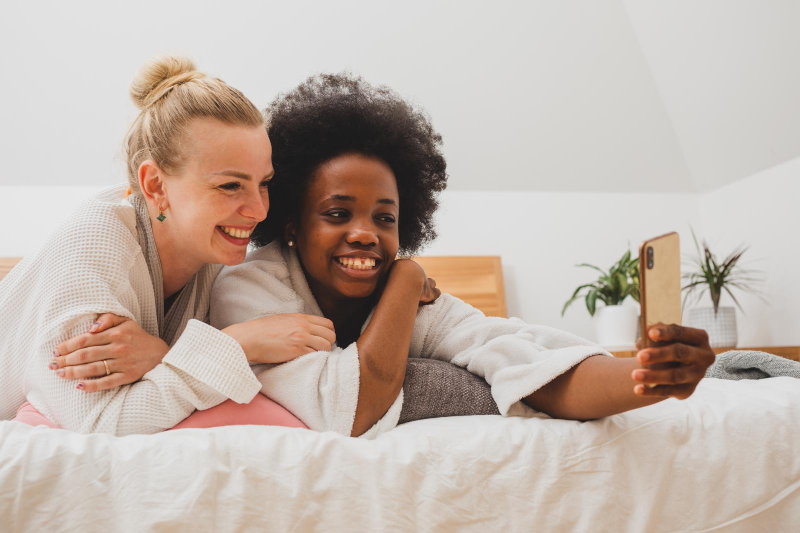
{"x":724,"y":460}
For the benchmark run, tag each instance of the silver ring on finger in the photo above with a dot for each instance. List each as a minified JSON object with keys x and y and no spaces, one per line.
{"x":105,"y":363}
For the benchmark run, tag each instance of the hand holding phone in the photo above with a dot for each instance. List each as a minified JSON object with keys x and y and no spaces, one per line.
{"x":674,"y":358}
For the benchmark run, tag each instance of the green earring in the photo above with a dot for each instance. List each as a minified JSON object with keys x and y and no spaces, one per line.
{"x":161,"y":217}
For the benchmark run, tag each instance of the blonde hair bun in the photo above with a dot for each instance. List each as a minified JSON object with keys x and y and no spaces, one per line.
{"x":158,"y":76}
{"x":170,"y":93}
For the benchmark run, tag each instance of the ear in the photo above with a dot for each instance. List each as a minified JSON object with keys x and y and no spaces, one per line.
{"x":290,"y":232}
{"x":152,"y":184}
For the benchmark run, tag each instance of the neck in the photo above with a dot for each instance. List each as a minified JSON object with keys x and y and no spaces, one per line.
{"x":347,"y":314}
{"x":176,"y":267}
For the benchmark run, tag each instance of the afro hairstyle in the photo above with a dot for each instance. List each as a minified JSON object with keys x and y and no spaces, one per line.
{"x":332,"y":114}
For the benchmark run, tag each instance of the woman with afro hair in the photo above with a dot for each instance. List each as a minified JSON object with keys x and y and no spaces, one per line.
{"x":357,"y":175}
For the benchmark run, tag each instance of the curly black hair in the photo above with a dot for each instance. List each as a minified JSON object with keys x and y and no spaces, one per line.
{"x":332,"y":114}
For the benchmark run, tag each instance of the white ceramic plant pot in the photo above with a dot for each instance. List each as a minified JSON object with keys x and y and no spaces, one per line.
{"x":616,"y":326}
{"x":721,"y":328}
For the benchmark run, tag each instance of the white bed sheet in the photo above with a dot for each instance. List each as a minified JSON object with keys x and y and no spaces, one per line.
{"x":727,"y":459}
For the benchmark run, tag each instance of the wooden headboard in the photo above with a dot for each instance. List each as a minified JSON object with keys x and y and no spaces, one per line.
{"x":478,"y":280}
{"x":6,"y":264}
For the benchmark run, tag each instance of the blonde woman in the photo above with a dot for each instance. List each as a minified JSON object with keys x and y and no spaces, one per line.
{"x":199,"y":164}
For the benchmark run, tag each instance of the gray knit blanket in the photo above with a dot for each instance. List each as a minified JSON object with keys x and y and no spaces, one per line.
{"x":743,"y":364}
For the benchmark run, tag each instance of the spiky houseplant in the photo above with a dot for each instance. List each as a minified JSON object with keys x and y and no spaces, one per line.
{"x":715,"y":277}
{"x":612,"y":287}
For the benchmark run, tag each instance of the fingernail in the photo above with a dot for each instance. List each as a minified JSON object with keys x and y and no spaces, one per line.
{"x":55,"y":352}
{"x":639,"y":389}
{"x":644,"y":357}
{"x":60,"y":372}
{"x":79,"y":386}
{"x":53,"y":365}
{"x":638,"y":375}
{"x":94,"y":327}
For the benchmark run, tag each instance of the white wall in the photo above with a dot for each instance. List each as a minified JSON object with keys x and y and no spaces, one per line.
{"x":762,"y":211}
{"x":728,"y":74}
{"x":537,"y":95}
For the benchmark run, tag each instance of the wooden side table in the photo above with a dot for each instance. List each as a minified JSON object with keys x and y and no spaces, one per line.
{"x":789,"y":352}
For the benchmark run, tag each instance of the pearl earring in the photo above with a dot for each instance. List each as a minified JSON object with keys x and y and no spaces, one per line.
{"x":290,"y":243}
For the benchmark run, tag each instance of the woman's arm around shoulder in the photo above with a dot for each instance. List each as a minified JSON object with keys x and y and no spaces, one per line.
{"x":383,"y":347}
{"x":79,"y":278}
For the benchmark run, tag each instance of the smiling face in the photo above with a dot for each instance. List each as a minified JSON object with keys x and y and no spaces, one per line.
{"x":347,"y":234}
{"x":219,"y":194}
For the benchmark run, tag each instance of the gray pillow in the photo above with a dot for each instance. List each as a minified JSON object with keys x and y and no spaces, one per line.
{"x":436,"y":388}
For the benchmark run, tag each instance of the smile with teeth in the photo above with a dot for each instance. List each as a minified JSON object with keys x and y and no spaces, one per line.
{"x":236,"y":232}
{"x":357,"y":263}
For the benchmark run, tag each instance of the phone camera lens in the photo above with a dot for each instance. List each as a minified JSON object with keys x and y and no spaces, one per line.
{"x":650,"y":254}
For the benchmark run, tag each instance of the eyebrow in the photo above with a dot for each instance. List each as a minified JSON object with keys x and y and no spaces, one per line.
{"x":348,"y":198}
{"x":240,"y":175}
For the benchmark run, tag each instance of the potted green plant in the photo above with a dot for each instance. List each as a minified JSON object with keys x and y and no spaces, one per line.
{"x":616,"y":324}
{"x":713,"y":277}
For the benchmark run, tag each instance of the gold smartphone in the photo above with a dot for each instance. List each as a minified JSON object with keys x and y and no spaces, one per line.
{"x":660,"y":282}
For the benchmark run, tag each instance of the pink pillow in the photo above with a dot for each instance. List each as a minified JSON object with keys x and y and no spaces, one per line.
{"x":260,"y":412}
{"x":28,"y":414}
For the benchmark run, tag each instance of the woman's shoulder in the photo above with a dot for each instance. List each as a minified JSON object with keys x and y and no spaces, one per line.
{"x":259,"y":286}
{"x":267,"y":262}
{"x":270,"y":256}
{"x":97,"y":239}
{"x":105,"y":220}
{"x":91,"y":262}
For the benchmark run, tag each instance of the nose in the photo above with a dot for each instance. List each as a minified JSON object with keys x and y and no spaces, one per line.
{"x":363,"y":235}
{"x":256,"y":205}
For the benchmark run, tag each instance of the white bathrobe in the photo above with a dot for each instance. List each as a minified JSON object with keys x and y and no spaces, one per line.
{"x":321,"y":388}
{"x":93,"y":264}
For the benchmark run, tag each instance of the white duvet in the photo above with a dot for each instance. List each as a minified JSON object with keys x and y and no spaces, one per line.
{"x":726,"y":459}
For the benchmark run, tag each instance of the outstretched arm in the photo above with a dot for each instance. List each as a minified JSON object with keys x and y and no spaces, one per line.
{"x":555,"y":372}
{"x":602,"y":386}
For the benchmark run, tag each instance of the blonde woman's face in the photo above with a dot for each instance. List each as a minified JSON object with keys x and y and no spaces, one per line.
{"x":220,"y":193}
